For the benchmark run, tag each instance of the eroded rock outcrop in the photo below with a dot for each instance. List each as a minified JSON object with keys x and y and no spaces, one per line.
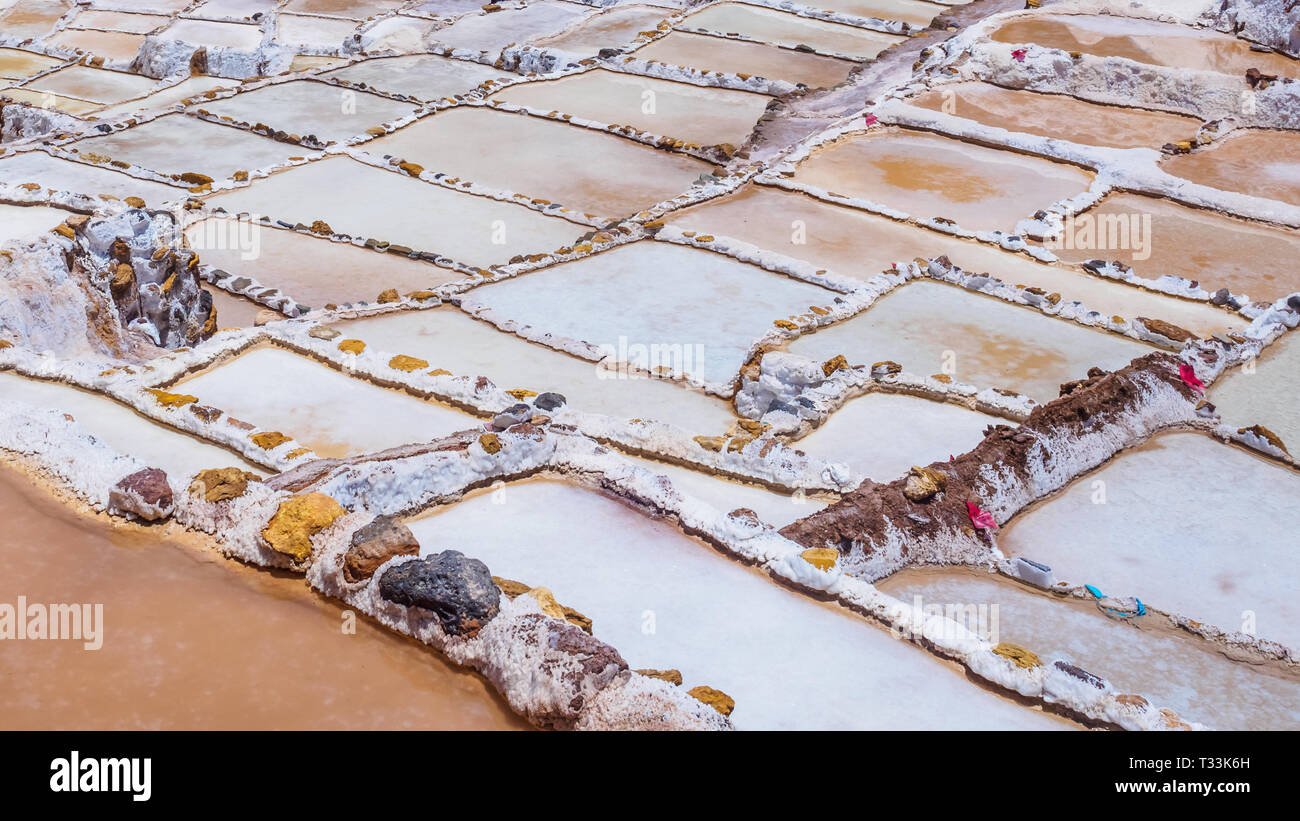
{"x":458,"y":589}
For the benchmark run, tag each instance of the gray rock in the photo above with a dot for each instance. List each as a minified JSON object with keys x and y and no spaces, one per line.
{"x":549,"y":401}
{"x":457,"y":589}
{"x":512,"y":415}
{"x":375,"y":544}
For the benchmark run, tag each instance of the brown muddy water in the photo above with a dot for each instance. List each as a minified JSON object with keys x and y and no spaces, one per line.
{"x":192,"y":640}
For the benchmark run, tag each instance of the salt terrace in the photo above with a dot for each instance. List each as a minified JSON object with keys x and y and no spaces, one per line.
{"x":719,"y":311}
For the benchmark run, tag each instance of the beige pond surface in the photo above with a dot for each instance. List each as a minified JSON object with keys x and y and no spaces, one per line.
{"x":313,"y":32}
{"x":986,"y":342}
{"x":1248,"y":258}
{"x":492,"y":32}
{"x":423,"y":76}
{"x":1161,"y":44}
{"x":610,"y":29}
{"x":705,"y":116}
{"x":699,"y":51}
{"x":916,"y":12}
{"x":189,"y":87}
{"x":16,"y":64}
{"x":304,"y":107}
{"x":880,"y":436}
{"x":577,"y":167}
{"x":781,"y":28}
{"x":356,"y":9}
{"x":177,"y":144}
{"x":314,"y":271}
{"x":1170,"y":668}
{"x":1058,"y":115}
{"x":173,"y":613}
{"x":43,"y":99}
{"x":119,"y":21}
{"x":111,"y":45}
{"x":328,"y":411}
{"x":63,"y":175}
{"x":1258,"y":163}
{"x":239,"y":36}
{"x":360,"y":200}
{"x":222,"y":9}
{"x":32,"y":18}
{"x":20,"y":222}
{"x":1186,"y":523}
{"x":666,"y":600}
{"x":859,"y":244}
{"x":122,"y":429}
{"x":926,"y":175}
{"x":233,"y":311}
{"x":94,"y":84}
{"x":1265,"y":396}
{"x":448,"y":338}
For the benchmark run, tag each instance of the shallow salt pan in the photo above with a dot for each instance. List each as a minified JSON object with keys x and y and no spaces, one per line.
{"x":771,"y":26}
{"x":94,"y":84}
{"x":221,"y":9}
{"x":609,"y":29}
{"x":305,"y":107}
{"x":176,"y":144}
{"x":111,"y":45}
{"x":1266,"y":396}
{"x":667,"y":601}
{"x":312,"y":270}
{"x":22,"y":222}
{"x":705,"y":116}
{"x":492,"y":32}
{"x":1258,"y":163}
{"x":1146,"y":41}
{"x":119,"y":21}
{"x":986,"y":342}
{"x":313,"y":32}
{"x":706,"y":53}
{"x":576,"y":167}
{"x":1172,"y":669}
{"x":927,"y":175}
{"x":240,"y":36}
{"x":1189,"y":525}
{"x":356,"y":9}
{"x":233,"y":311}
{"x":19,"y":65}
{"x":423,"y":76}
{"x":711,"y":307}
{"x":881,"y":436}
{"x":62,"y":175}
{"x":43,"y":99}
{"x":364,"y":201}
{"x":449,"y":339}
{"x":189,"y":87}
{"x":905,"y":11}
{"x":1249,"y":258}
{"x":1059,"y":116}
{"x":124,"y":430}
{"x":32,"y":18}
{"x":330,"y":412}
{"x":776,"y":509}
{"x":859,"y":244}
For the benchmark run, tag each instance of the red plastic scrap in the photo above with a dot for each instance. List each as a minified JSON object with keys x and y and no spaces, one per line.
{"x":1019,"y":54}
{"x":872,"y":119}
{"x":1188,"y":374}
{"x":982,"y":519}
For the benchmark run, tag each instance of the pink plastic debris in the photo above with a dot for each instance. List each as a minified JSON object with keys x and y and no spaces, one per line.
{"x":1188,"y":373}
{"x":982,"y":519}
{"x":1019,"y":54}
{"x":872,"y":119}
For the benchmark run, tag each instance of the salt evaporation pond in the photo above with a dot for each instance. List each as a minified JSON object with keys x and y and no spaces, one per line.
{"x":111,"y":45}
{"x":355,"y":9}
{"x":705,"y":116}
{"x":449,"y":339}
{"x":915,"y":12}
{"x":858,"y":244}
{"x":710,"y":306}
{"x":613,"y":27}
{"x":576,"y":167}
{"x":189,"y":87}
{"x":330,"y":412}
{"x":1190,"y":525}
{"x":725,"y":495}
{"x":124,"y":430}
{"x":313,"y":32}
{"x":177,"y":144}
{"x":238,"y":36}
{"x":423,"y":76}
{"x":233,"y":311}
{"x":1258,"y":163}
{"x":789,"y":661}
{"x":492,"y":32}
{"x":926,"y":175}
{"x":988,"y":343}
{"x":312,"y":270}
{"x":1265,"y":395}
{"x":364,"y":201}
{"x":1149,"y":657}
{"x":1145,"y":41}
{"x":16,"y":64}
{"x":26,"y":222}
{"x":64,"y":175}
{"x":1058,"y":116}
{"x":699,"y":51}
{"x":32,"y":18}
{"x":778,"y":27}
{"x":881,"y":436}
{"x":305,"y":107}
{"x":119,"y":21}
{"x":94,"y":84}
{"x":173,"y":613}
{"x":1252,"y":259}
{"x":42,"y":99}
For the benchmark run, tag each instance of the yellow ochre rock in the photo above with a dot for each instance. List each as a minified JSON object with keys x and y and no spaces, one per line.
{"x":402,"y":362}
{"x":670,"y":676}
{"x":716,"y":699}
{"x":1018,"y":655}
{"x":297,"y":520}
{"x":490,"y":442}
{"x":171,"y":400}
{"x":269,"y":439}
{"x":220,"y":484}
{"x":352,"y":346}
{"x":822,"y":558}
{"x":834,"y":364}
